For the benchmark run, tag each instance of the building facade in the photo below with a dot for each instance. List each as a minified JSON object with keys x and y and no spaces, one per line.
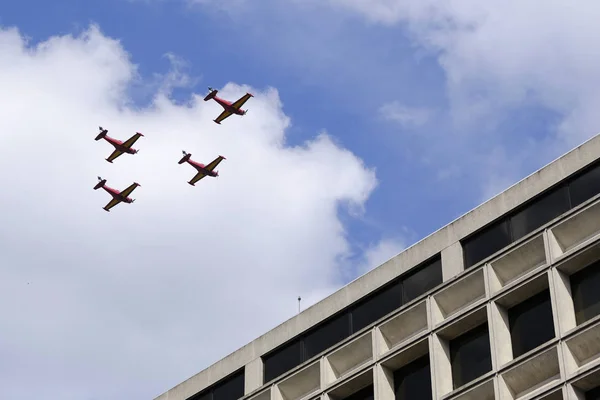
{"x":502,"y":303}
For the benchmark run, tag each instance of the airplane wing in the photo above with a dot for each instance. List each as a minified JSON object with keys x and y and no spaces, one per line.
{"x":130,"y":189}
{"x":111,"y":204}
{"x":222,"y":116}
{"x":197,"y":177}
{"x":214,"y":163}
{"x":132,"y":140}
{"x":241,"y":100}
{"x":114,"y":155}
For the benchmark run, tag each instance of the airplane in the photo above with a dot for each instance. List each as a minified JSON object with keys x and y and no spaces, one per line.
{"x":118,"y":196}
{"x":120,"y":147}
{"x":230,"y":108}
{"x":203,"y":170}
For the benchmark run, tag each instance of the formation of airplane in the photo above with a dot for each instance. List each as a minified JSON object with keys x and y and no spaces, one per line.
{"x":202,"y":169}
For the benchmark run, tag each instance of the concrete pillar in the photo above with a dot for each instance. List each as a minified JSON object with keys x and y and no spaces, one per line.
{"x":383,"y":383}
{"x":254,"y":375}
{"x":452,"y":261}
{"x":562,"y":302}
{"x":442,"y":367}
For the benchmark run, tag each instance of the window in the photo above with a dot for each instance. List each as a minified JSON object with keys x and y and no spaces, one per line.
{"x":326,"y":335}
{"x":204,"y":395}
{"x":593,"y":394}
{"x":585,"y":186}
{"x":413,"y":381}
{"x":363,"y":394}
{"x":485,"y":243}
{"x":229,"y":388}
{"x":283,"y":359}
{"x":470,"y":355}
{"x":586,"y":296}
{"x":531,"y":323}
{"x":423,"y":279}
{"x":354,"y":318}
{"x":540,"y":211}
{"x":376,"y":306}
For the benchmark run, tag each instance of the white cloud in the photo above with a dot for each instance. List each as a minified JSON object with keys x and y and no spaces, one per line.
{"x":126,"y":304}
{"x":499,"y":57}
{"x":380,"y":252}
{"x":508,"y":54}
{"x":405,"y":116}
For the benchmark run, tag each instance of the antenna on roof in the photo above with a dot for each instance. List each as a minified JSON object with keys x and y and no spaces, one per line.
{"x":299,"y":299}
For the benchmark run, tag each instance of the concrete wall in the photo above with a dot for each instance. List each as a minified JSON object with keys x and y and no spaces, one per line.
{"x":446,"y":240}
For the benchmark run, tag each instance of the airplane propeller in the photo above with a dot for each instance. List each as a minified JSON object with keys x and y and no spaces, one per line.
{"x":99,"y":178}
{"x":210,"y":89}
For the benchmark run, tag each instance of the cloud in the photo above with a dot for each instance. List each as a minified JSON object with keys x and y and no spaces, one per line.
{"x":126,"y":304}
{"x":501,"y":60}
{"x":544,"y":56}
{"x":405,"y":116}
{"x":380,"y":252}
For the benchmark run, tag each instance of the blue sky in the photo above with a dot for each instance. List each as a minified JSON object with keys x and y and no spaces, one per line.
{"x":333,"y":77}
{"x":446,"y":102}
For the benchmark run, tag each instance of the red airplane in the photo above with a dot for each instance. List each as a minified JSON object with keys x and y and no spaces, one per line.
{"x":120,"y":147}
{"x":117,"y":197}
{"x":230,"y":108}
{"x":203,"y":170}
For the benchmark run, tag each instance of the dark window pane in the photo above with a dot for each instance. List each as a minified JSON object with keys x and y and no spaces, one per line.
{"x":231,"y":389}
{"x":376,"y":306}
{"x":586,"y":295}
{"x":422,"y":280}
{"x":531,"y":323}
{"x":540,"y":211}
{"x":326,"y":335}
{"x":282,"y":360}
{"x":585,"y":186}
{"x":363,"y":394}
{"x":413,"y":381}
{"x":204,"y":395}
{"x":470,"y":355}
{"x":486,"y":243}
{"x":593,"y":394}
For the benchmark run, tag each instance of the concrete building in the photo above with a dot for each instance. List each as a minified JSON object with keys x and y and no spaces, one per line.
{"x":502,"y":303}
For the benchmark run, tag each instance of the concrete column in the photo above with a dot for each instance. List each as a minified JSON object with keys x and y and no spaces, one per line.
{"x":452,"y":261}
{"x":442,"y":367}
{"x":276,"y":393}
{"x":254,"y":375}
{"x":499,"y":331}
{"x":572,"y":393}
{"x":327,"y":373}
{"x":563,"y":309}
{"x":383,"y":383}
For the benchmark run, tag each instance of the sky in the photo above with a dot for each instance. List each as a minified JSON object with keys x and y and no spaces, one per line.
{"x":373,"y":124}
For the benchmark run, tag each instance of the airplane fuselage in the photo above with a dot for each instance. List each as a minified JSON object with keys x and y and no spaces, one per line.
{"x":227,"y":105}
{"x":117,"y":195}
{"x":202,"y":168}
{"x":118,"y":144}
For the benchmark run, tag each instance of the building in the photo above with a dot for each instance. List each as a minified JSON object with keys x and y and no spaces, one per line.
{"x":502,"y":303}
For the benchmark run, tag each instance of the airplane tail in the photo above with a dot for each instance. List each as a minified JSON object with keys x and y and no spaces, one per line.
{"x":102,"y":134}
{"x":212,"y":94}
{"x":186,"y":157}
{"x":100,"y":184}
